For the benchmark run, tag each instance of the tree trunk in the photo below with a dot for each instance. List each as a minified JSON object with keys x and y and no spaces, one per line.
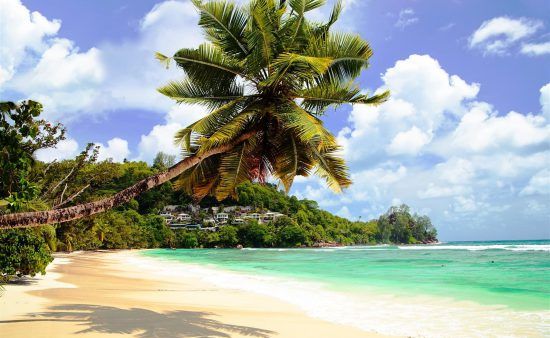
{"x":32,"y":219}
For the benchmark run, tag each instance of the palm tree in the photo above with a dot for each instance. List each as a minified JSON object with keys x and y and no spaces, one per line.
{"x":266,"y":76}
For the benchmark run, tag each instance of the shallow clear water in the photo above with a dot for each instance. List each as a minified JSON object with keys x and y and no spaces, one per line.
{"x":511,"y":276}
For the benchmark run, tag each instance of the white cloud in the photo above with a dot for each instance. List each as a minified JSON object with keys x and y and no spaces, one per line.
{"x":161,"y":137}
{"x":434,"y":147}
{"x":455,"y":170}
{"x":482,"y":130}
{"x":420,"y":79}
{"x":63,"y":79}
{"x":21,"y":31}
{"x":437,"y":191}
{"x":64,"y":150}
{"x":538,"y":184}
{"x":116,"y":149}
{"x":496,"y":35}
{"x":422,"y":95}
{"x":536,"y":49}
{"x":71,"y":83}
{"x":465,"y":204}
{"x":406,"y":18}
{"x":134,"y":74}
{"x":545,"y":100}
{"x":408,"y":142}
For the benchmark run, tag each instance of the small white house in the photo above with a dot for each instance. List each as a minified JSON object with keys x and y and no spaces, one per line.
{"x":254,"y":216}
{"x":238,"y":221}
{"x":183,"y":217}
{"x":222,"y":217}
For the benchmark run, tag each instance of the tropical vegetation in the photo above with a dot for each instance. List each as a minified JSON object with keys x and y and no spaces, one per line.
{"x":266,"y":76}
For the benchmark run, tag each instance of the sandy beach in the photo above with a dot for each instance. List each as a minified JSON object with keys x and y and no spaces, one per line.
{"x":98,"y":294}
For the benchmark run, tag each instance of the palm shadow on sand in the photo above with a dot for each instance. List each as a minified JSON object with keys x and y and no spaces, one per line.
{"x":144,"y":323}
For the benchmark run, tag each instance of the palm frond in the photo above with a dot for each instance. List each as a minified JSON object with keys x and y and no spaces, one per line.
{"x":224,"y":24}
{"x":218,"y":118}
{"x":261,"y":35}
{"x":201,"y":179}
{"x":332,"y":168}
{"x":208,"y":65}
{"x":291,"y":160}
{"x":234,"y":169}
{"x":230,"y":131}
{"x":186,"y":91}
{"x":349,"y":52}
{"x":304,"y":125}
{"x":335,"y":93}
{"x":297,"y":68}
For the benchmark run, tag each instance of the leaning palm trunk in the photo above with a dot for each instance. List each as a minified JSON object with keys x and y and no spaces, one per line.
{"x":32,"y":219}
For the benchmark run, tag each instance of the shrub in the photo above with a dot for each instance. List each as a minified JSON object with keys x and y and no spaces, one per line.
{"x":23,"y":252}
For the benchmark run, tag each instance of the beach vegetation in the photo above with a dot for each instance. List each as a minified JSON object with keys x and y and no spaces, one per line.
{"x":22,"y":252}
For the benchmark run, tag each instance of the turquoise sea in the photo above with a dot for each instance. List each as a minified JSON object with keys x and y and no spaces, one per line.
{"x":508,"y":281}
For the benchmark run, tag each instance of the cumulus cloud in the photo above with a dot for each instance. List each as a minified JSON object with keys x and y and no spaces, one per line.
{"x":545,"y":101}
{"x":406,"y":18}
{"x":161,"y":137}
{"x":423,"y":96}
{"x":433,"y":146}
{"x":133,"y":71}
{"x":408,"y":142}
{"x":64,"y":150}
{"x":481,"y":130}
{"x":116,"y":150}
{"x":497,"y":35}
{"x":538,"y":184}
{"x":22,"y":32}
{"x":71,"y":83}
{"x":536,"y":49}
{"x":63,"y":78}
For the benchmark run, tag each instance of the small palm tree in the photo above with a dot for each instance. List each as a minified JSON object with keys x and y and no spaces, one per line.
{"x":266,"y":76}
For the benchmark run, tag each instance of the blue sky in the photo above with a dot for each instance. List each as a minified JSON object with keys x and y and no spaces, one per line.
{"x":465,"y":137}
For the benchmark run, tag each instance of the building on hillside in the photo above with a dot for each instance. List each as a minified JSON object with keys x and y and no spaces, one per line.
{"x":167,"y":217}
{"x":271,"y":216}
{"x":254,"y":216}
{"x":238,"y":221}
{"x":222,"y":217}
{"x":183,"y":217}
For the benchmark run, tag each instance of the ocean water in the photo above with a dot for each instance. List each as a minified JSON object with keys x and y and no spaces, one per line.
{"x":455,"y":289}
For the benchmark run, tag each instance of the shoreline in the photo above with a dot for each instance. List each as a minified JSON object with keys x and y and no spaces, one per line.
{"x":107,"y":292}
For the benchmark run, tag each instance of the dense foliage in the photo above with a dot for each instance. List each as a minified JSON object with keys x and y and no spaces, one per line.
{"x":307,"y":225}
{"x":22,"y":252}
